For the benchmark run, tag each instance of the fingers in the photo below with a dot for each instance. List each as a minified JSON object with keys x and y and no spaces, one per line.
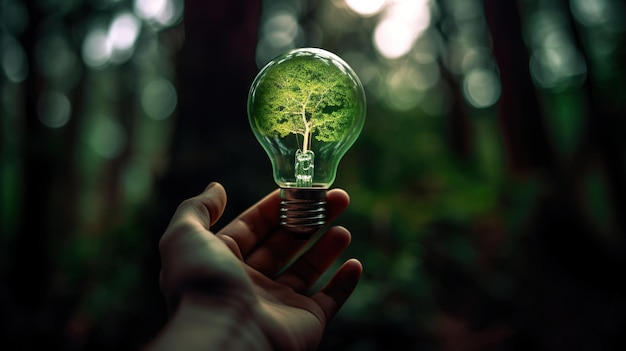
{"x":337,"y":200}
{"x":307,"y":269}
{"x":193,"y":257}
{"x":262,"y":219}
{"x":204,"y":209}
{"x":336,"y":292}
{"x":249,"y":228}
{"x":184,"y":244}
{"x":279,"y":248}
{"x":195,"y":215}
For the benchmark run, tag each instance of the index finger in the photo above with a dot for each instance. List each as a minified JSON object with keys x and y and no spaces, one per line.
{"x":262,"y":219}
{"x":203,"y":209}
{"x":250,"y":227}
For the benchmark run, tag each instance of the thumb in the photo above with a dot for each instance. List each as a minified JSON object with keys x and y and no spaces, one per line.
{"x":183,"y":244}
{"x":203,"y":209}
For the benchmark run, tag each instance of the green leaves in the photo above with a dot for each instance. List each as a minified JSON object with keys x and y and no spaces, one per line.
{"x":305,"y":95}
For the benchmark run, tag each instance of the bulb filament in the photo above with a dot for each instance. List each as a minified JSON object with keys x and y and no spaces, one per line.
{"x":305,"y":165}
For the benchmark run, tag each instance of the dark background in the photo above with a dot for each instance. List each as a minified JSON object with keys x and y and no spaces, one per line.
{"x":487,"y":186}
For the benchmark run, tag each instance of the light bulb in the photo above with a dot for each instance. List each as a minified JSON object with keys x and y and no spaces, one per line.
{"x":306,"y":109}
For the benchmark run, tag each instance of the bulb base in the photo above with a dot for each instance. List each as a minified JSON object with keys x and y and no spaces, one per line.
{"x":303,"y":210}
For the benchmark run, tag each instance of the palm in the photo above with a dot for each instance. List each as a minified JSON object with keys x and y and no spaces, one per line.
{"x":295,"y":320}
{"x":245,"y":261}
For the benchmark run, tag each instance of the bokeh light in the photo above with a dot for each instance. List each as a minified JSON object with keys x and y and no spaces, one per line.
{"x":555,"y":60}
{"x":403,"y":94}
{"x":150,"y":9}
{"x":481,"y":88}
{"x":114,"y":43}
{"x":106,"y":137}
{"x":54,"y":109}
{"x":159,"y":98}
{"x":593,"y":13}
{"x":393,"y":39}
{"x":96,"y":48}
{"x":279,"y":31}
{"x":366,"y":7}
{"x":160,"y":13}
{"x":124,"y":31}
{"x":280,"y":28}
{"x":13,"y":59}
{"x":402,"y":22}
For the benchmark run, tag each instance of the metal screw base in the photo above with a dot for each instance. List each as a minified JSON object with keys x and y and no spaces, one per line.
{"x":303,"y":210}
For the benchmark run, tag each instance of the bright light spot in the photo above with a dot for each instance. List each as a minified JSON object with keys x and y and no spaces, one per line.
{"x":555,"y":66}
{"x":393,"y":39}
{"x":591,"y":12}
{"x":402,"y":23}
{"x":14,"y":61}
{"x":107,"y":137}
{"x":556,"y":61}
{"x":149,"y":9}
{"x":172,"y":13}
{"x":366,"y":7}
{"x":96,"y":49}
{"x":159,"y":98}
{"x":416,"y":12}
{"x":161,"y":12}
{"x":114,"y":45}
{"x":54,"y":109}
{"x":481,"y":88}
{"x":123,"y":32}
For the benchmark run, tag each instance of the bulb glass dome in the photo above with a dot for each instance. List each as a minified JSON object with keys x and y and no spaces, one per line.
{"x":306,"y":108}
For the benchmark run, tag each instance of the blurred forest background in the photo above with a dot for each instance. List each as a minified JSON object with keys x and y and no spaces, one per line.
{"x":487,"y":187}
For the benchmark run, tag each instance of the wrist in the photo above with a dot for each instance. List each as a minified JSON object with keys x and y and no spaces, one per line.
{"x":209,"y":323}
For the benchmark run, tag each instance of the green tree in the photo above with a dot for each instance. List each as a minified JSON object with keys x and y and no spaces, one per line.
{"x":306,"y":96}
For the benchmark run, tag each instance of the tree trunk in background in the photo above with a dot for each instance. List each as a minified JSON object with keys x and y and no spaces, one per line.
{"x":50,"y":182}
{"x":567,"y":290}
{"x":29,"y":273}
{"x":521,"y":117}
{"x":603,"y":141}
{"x":216,"y":68}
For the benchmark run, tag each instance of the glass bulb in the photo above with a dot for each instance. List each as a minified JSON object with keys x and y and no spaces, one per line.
{"x":306,"y":108}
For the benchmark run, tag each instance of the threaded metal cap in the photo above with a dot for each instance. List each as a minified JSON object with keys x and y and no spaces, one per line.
{"x":303,"y":210}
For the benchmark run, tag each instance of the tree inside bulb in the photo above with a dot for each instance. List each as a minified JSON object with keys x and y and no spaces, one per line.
{"x":306,"y":108}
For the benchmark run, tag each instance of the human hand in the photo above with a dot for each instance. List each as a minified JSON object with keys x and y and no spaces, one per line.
{"x":227,"y":290}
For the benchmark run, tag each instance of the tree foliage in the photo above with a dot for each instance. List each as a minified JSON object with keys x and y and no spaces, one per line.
{"x":305,"y":96}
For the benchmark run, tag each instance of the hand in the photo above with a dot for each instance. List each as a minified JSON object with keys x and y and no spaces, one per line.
{"x":227,"y":291}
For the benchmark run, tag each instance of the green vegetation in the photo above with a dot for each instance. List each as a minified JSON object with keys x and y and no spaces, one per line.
{"x":305,"y":96}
